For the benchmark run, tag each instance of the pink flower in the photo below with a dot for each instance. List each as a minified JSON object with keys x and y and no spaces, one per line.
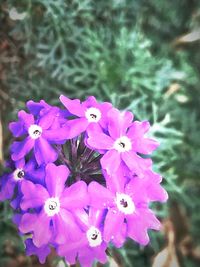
{"x":122,"y":143}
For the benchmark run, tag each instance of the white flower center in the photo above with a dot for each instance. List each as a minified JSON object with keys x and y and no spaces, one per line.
{"x":93,"y":114}
{"x":52,"y":206}
{"x":35,"y":131}
{"x":18,"y":174}
{"x":125,"y":203}
{"x":123,"y":144}
{"x":94,"y":237}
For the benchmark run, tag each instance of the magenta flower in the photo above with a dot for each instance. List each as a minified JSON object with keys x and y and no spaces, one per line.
{"x":40,"y":135}
{"x":128,"y":205}
{"x":87,"y":113}
{"x":91,"y":245}
{"x":53,"y":207}
{"x":122,"y":143}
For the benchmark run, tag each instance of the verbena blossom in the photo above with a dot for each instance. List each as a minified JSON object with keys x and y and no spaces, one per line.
{"x":86,"y":113}
{"x":40,"y":133}
{"x":20,"y":170}
{"x":91,"y":244}
{"x":53,"y":206}
{"x":128,"y":204}
{"x":122,"y":143}
{"x":81,"y":178}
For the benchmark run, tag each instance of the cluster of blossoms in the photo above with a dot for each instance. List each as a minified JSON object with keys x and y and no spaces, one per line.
{"x":78,"y":182}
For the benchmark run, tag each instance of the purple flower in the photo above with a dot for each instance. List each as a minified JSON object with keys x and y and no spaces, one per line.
{"x":20,"y":171}
{"x":128,"y":205}
{"x":90,"y":245}
{"x":87,"y":113}
{"x":53,"y":207}
{"x":40,"y":134}
{"x":122,"y":143}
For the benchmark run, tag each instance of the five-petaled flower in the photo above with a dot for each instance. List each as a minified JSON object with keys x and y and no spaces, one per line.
{"x":91,"y":244}
{"x":53,"y":206}
{"x":40,"y":134}
{"x":122,"y":143}
{"x":87,"y":113}
{"x":127,"y":207}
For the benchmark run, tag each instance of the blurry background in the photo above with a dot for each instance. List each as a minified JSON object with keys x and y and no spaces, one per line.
{"x":140,"y":55}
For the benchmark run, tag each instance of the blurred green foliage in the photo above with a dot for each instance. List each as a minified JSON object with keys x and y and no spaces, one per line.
{"x":123,"y":51}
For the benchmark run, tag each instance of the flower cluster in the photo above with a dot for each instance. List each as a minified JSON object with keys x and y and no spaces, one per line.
{"x":78,"y":180}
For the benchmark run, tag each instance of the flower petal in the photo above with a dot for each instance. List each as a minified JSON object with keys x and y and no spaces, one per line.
{"x":42,"y":231}
{"x":17,"y":128}
{"x":100,"y":253}
{"x":120,"y":236}
{"x":75,"y":127}
{"x":137,"y":190}
{"x":27,"y":223}
{"x":41,"y":252}
{"x":48,"y":118}
{"x":100,"y":197}
{"x":20,"y":163}
{"x":115,"y":181}
{"x":35,"y":107}
{"x":137,"y":232}
{"x":71,"y":250}
{"x":138,"y":129}
{"x":104,"y":107}
{"x":81,"y":217}
{"x":135,"y":163}
{"x":112,"y":224}
{"x":119,"y":122}
{"x":95,"y":217}
{"x":140,"y":143}
{"x":56,"y":135}
{"x":34,"y":195}
{"x":111,"y":161}
{"x":7,"y":186}
{"x":66,"y":228}
{"x":157,"y":193}
{"x":99,"y":140}
{"x":26,"y":118}
{"x":21,"y":148}
{"x":73,"y":106}
{"x":86,"y":257}
{"x":90,"y":102}
{"x":75,"y":196}
{"x":55,"y":178}
{"x":44,"y":152}
{"x":139,"y":222}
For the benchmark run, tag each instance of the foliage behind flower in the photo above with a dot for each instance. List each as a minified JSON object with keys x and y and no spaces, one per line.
{"x":81,"y":179}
